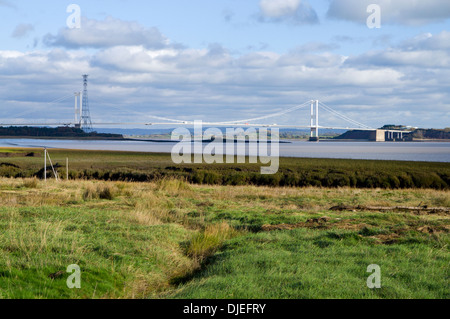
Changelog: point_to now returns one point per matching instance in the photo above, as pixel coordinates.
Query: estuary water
(400, 151)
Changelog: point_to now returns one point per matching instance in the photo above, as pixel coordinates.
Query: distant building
(376, 135)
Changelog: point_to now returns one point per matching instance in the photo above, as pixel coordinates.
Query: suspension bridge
(82, 119)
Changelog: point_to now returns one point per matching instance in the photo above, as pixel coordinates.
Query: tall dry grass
(30, 182)
(99, 191)
(173, 186)
(205, 243)
(169, 197)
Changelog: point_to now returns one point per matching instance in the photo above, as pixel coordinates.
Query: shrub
(235, 179)
(212, 178)
(428, 180)
(198, 177)
(336, 180)
(394, 182)
(406, 181)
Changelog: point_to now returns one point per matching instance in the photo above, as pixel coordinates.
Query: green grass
(121, 255)
(305, 263)
(172, 239)
(115, 257)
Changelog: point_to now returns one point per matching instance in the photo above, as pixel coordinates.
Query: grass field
(172, 239)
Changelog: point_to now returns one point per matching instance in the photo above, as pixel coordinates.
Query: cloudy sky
(227, 60)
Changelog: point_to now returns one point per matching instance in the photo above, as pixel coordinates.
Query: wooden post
(45, 164)
(67, 168)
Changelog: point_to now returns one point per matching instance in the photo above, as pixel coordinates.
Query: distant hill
(354, 135)
(49, 132)
(134, 131)
(432, 134)
(285, 133)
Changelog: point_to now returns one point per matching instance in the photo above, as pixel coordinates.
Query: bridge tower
(314, 121)
(78, 109)
(85, 121)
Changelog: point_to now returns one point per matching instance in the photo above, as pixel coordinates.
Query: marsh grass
(293, 172)
(173, 185)
(205, 243)
(142, 240)
(99, 191)
(30, 182)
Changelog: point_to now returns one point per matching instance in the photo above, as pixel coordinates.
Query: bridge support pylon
(78, 110)
(314, 121)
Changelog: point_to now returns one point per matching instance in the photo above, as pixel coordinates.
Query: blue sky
(227, 60)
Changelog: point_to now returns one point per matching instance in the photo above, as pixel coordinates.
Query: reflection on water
(406, 151)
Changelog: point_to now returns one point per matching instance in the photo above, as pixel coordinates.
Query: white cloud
(423, 51)
(428, 41)
(398, 58)
(22, 30)
(407, 12)
(279, 8)
(213, 84)
(290, 11)
(108, 33)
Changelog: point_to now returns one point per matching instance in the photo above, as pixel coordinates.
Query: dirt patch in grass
(385, 236)
(388, 239)
(322, 222)
(419, 210)
(434, 230)
(319, 223)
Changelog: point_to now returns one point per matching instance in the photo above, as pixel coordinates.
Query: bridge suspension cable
(236, 122)
(60, 99)
(342, 116)
(294, 108)
(142, 113)
(63, 98)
